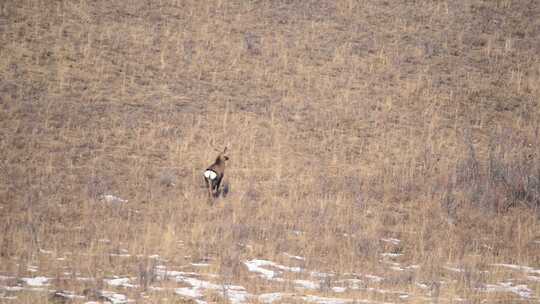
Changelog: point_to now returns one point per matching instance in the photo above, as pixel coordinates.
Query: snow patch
(12, 288)
(324, 300)
(374, 278)
(391, 241)
(521, 290)
(120, 255)
(67, 295)
(234, 293)
(256, 266)
(188, 292)
(339, 289)
(120, 282)
(307, 284)
(114, 298)
(84, 279)
(295, 257)
(111, 199)
(272, 297)
(45, 251)
(36, 281)
(453, 269)
(526, 269)
(200, 264)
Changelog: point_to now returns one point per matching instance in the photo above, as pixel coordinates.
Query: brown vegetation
(351, 122)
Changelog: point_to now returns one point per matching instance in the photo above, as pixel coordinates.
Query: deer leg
(208, 186)
(218, 184)
(213, 188)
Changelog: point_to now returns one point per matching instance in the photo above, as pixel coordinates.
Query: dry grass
(347, 121)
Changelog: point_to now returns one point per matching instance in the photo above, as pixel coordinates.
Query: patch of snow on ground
(295, 257)
(189, 292)
(272, 297)
(238, 296)
(120, 282)
(114, 298)
(36, 281)
(109, 198)
(318, 274)
(163, 273)
(123, 255)
(307, 284)
(394, 266)
(256, 266)
(391, 240)
(338, 289)
(285, 268)
(521, 290)
(84, 279)
(234, 293)
(374, 278)
(323, 300)
(453, 269)
(385, 291)
(397, 266)
(200, 264)
(67, 295)
(12, 288)
(404, 296)
(526, 269)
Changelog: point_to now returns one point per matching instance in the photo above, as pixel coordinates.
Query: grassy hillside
(397, 139)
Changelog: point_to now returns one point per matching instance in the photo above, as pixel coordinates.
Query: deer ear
(225, 150)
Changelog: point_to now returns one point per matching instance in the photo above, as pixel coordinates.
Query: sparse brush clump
(509, 176)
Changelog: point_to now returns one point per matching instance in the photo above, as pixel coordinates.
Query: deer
(213, 175)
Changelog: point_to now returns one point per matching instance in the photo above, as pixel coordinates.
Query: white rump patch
(210, 174)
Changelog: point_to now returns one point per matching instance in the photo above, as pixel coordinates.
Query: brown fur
(219, 168)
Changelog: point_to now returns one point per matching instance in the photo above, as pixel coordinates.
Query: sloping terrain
(390, 146)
